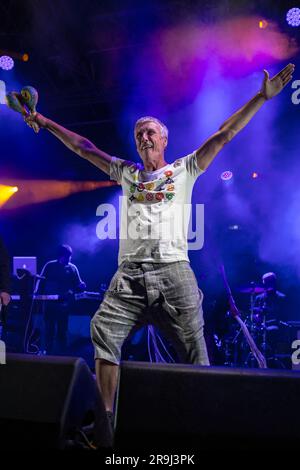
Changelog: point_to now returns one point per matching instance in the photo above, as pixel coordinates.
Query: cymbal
(251, 290)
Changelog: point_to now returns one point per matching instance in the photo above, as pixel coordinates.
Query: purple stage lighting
(293, 17)
(6, 62)
(226, 175)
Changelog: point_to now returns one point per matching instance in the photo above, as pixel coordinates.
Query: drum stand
(250, 360)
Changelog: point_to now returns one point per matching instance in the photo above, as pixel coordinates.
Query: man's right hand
(36, 121)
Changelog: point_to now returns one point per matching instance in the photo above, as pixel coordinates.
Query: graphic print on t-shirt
(153, 191)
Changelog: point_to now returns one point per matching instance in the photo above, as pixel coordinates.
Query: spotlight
(226, 175)
(25, 57)
(263, 24)
(293, 17)
(6, 62)
(6, 192)
(254, 175)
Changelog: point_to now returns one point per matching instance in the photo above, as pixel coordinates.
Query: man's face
(149, 141)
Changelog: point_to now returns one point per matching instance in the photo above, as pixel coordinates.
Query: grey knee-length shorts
(165, 295)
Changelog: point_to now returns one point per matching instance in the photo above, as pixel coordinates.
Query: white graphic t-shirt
(155, 209)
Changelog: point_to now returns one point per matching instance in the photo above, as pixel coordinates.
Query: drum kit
(264, 330)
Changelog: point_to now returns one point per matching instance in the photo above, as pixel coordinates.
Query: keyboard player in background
(60, 277)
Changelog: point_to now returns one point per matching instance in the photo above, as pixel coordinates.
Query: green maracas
(30, 98)
(14, 101)
(24, 102)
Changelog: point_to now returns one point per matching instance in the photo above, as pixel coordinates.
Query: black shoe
(111, 420)
(100, 434)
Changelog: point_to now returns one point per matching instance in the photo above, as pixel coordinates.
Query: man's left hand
(271, 87)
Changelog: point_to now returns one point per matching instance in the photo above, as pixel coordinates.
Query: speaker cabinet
(45, 401)
(167, 406)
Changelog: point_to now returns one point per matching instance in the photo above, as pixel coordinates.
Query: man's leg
(107, 380)
(178, 311)
(120, 312)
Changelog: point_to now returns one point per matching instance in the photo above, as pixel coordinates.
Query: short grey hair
(163, 127)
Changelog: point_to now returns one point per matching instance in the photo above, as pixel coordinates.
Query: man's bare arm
(270, 88)
(75, 142)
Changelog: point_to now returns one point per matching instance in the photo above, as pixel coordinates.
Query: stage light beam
(38, 191)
